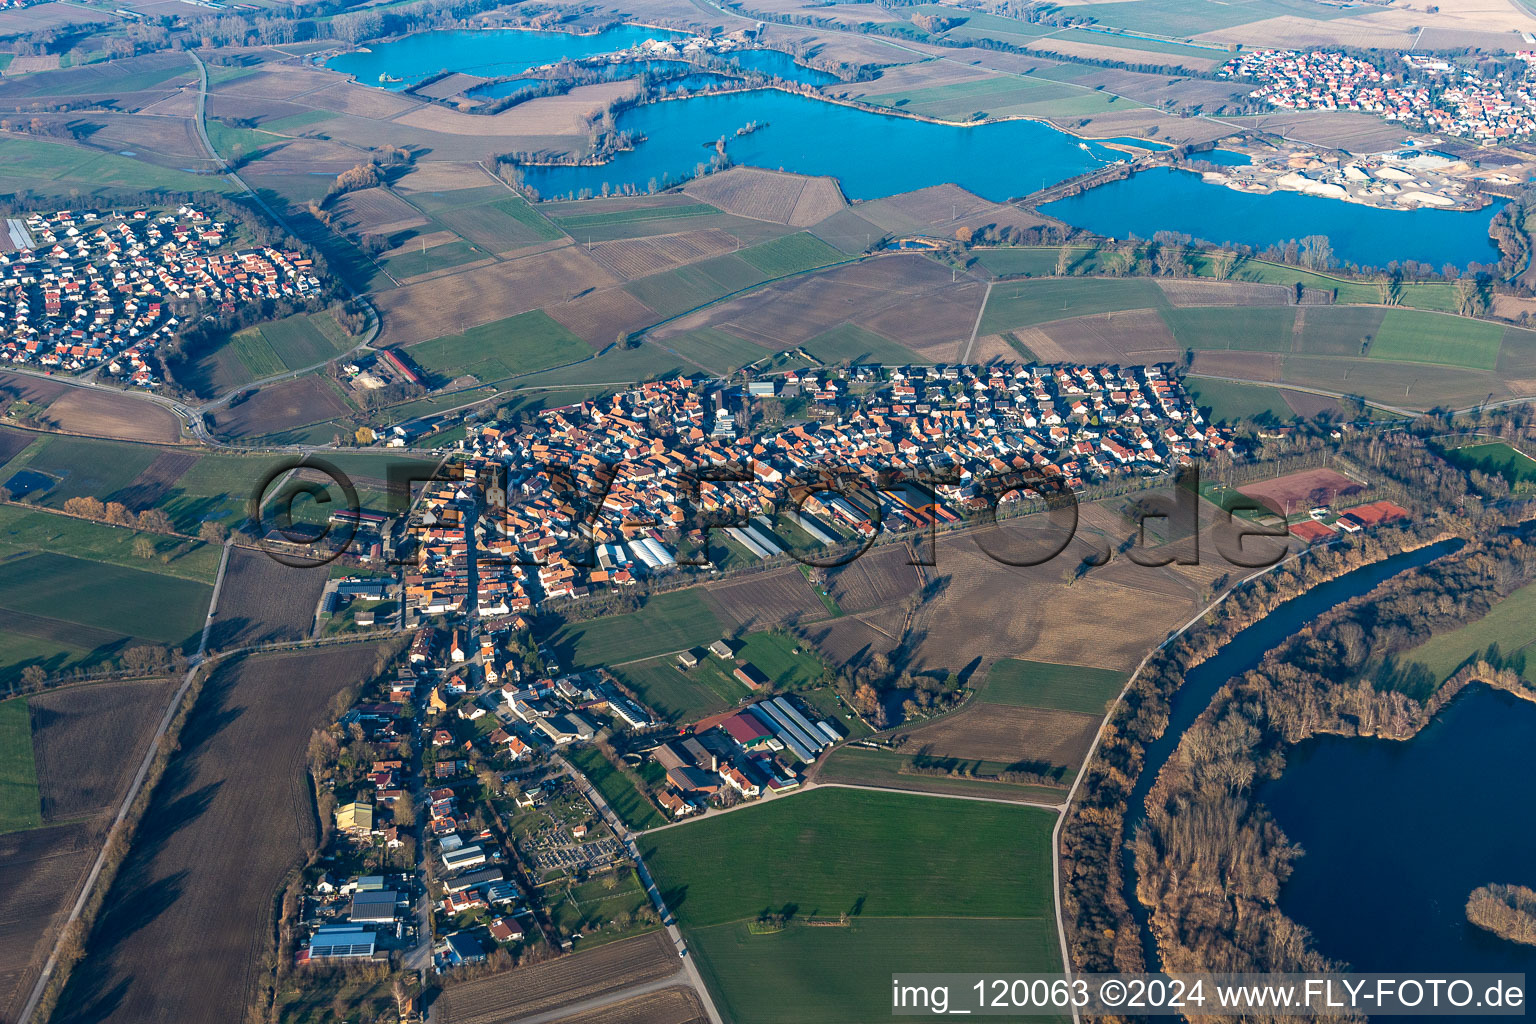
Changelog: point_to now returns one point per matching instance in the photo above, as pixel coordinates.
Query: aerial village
(643, 451)
(81, 289)
(1460, 102)
(460, 832)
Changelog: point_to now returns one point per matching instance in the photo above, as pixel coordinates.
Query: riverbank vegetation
(1210, 861)
(1509, 911)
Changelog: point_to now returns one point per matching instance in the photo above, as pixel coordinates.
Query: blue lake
(873, 155)
(669, 76)
(1173, 200)
(490, 54)
(1397, 835)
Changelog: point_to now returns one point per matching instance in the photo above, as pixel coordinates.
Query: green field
(824, 851)
(1185, 18)
(685, 288)
(601, 225)
(1023, 303)
(501, 349)
(1228, 402)
(775, 656)
(96, 595)
(24, 531)
(791, 255)
(20, 806)
(1496, 457)
(1511, 624)
(617, 788)
(855, 344)
(923, 881)
(605, 899)
(1339, 330)
(842, 975)
(1415, 337)
(252, 351)
(674, 621)
(891, 769)
(307, 339)
(715, 349)
(506, 222)
(411, 262)
(678, 695)
(289, 125)
(998, 96)
(84, 467)
(1040, 684)
(1245, 328)
(49, 167)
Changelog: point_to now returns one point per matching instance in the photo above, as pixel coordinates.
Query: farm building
(374, 907)
(721, 649)
(751, 677)
(747, 730)
(687, 659)
(339, 941)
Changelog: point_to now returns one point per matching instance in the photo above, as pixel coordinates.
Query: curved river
(1240, 654)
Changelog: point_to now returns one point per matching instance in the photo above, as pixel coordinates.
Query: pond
(491, 54)
(873, 155)
(1398, 834)
(1166, 199)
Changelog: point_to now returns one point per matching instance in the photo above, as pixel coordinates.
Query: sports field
(668, 622)
(501, 349)
(20, 806)
(1042, 685)
(1511, 624)
(902, 868)
(1495, 457)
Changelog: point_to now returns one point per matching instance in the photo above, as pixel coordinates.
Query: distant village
(641, 451)
(1461, 101)
(459, 827)
(81, 289)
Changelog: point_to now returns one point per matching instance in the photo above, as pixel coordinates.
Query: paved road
(128, 799)
(690, 971)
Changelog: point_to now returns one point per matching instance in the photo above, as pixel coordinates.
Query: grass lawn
(501, 349)
(680, 696)
(1247, 328)
(1039, 684)
(926, 883)
(1225, 401)
(871, 853)
(1495, 457)
(1415, 337)
(1023, 303)
(791, 255)
(774, 654)
(20, 806)
(859, 345)
(1511, 624)
(632, 806)
(146, 605)
(668, 622)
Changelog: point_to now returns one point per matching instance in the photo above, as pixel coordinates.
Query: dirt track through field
(187, 922)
